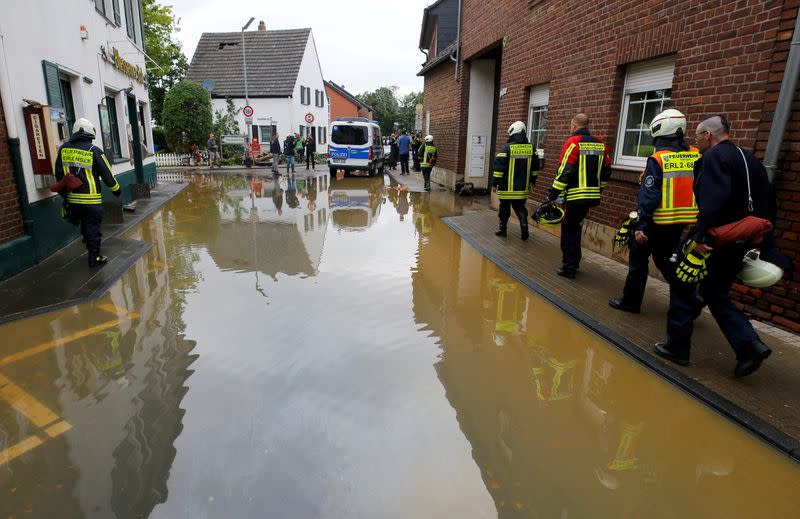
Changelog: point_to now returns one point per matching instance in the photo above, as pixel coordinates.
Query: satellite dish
(209, 84)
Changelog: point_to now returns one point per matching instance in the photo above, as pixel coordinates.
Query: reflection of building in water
(272, 225)
(121, 388)
(355, 202)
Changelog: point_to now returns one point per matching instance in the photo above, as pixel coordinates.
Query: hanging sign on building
(127, 68)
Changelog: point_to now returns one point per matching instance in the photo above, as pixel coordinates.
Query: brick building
(344, 104)
(532, 61)
(10, 211)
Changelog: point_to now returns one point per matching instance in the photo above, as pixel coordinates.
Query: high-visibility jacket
(516, 167)
(81, 158)
(666, 193)
(428, 156)
(584, 168)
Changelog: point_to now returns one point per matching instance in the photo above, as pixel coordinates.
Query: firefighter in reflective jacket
(516, 167)
(666, 206)
(84, 204)
(584, 169)
(427, 159)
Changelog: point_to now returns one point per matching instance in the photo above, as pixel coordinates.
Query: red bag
(69, 183)
(750, 229)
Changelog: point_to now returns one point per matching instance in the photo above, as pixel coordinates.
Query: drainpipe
(13, 140)
(783, 108)
(458, 42)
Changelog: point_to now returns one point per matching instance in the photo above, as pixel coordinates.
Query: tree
(187, 116)
(225, 123)
(408, 110)
(170, 66)
(385, 107)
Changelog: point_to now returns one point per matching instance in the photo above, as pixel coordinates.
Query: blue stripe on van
(349, 152)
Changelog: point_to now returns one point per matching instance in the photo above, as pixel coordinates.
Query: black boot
(751, 357)
(620, 304)
(96, 259)
(501, 231)
(523, 231)
(672, 353)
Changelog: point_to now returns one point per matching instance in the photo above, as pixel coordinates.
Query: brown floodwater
(323, 348)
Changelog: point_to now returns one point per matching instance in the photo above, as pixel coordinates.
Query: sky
(362, 44)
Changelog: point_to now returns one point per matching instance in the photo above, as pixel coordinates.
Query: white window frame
(644, 76)
(538, 102)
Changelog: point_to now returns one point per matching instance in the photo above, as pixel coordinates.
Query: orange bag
(750, 229)
(69, 183)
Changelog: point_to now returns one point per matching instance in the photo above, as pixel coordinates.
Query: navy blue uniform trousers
(723, 265)
(89, 217)
(571, 228)
(662, 242)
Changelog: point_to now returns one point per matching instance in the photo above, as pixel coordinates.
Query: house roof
(273, 62)
(350, 97)
(427, 29)
(438, 60)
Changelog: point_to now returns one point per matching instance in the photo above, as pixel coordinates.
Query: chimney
(262, 27)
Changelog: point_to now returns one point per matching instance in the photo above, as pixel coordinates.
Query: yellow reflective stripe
(74, 155)
(559, 185)
(519, 150)
(596, 146)
(511, 174)
(556, 183)
(91, 180)
(106, 161)
(86, 195)
(498, 174)
(502, 154)
(582, 180)
(115, 187)
(512, 195)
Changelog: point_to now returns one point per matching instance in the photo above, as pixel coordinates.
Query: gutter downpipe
(458, 42)
(783, 107)
(13, 142)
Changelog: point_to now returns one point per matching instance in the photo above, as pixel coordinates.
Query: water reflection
(355, 202)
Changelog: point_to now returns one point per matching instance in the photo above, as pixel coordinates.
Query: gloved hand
(692, 268)
(552, 194)
(623, 236)
(117, 193)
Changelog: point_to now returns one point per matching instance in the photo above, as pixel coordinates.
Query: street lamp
(244, 66)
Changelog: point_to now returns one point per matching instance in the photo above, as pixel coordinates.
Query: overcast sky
(362, 44)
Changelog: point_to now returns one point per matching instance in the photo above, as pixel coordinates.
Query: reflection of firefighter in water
(553, 379)
(422, 217)
(505, 309)
(109, 358)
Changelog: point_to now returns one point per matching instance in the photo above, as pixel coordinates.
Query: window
(111, 103)
(320, 98)
(69, 105)
(133, 20)
(142, 128)
(266, 133)
(305, 95)
(323, 135)
(537, 116)
(117, 18)
(100, 5)
(129, 22)
(352, 135)
(648, 91)
(302, 131)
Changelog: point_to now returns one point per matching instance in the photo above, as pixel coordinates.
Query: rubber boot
(523, 231)
(501, 231)
(96, 259)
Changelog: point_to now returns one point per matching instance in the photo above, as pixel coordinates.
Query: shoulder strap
(747, 172)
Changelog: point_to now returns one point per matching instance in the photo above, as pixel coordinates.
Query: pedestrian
(311, 149)
(427, 158)
(731, 184)
(415, 144)
(404, 148)
(213, 151)
(665, 207)
(79, 159)
(298, 147)
(516, 167)
(275, 149)
(585, 166)
(395, 152)
(289, 152)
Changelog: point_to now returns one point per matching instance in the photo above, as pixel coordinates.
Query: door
(137, 141)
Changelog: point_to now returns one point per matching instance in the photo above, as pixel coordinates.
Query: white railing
(172, 159)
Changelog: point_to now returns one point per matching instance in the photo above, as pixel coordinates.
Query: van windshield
(350, 135)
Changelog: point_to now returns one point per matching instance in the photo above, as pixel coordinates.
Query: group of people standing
(686, 192)
(403, 147)
(294, 148)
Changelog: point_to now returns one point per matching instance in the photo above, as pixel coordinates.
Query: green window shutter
(117, 19)
(129, 21)
(100, 6)
(52, 84)
(141, 23)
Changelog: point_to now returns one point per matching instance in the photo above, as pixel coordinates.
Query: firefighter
(427, 159)
(732, 184)
(584, 169)
(666, 206)
(84, 204)
(516, 167)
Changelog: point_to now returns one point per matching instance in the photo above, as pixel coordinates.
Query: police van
(355, 144)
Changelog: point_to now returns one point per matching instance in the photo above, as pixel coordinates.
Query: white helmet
(84, 125)
(668, 122)
(429, 138)
(758, 273)
(517, 127)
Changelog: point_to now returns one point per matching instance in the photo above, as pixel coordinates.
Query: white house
(78, 58)
(284, 80)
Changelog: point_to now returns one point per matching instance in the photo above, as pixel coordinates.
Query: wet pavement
(317, 347)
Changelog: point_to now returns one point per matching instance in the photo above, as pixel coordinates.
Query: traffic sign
(233, 139)
(248, 111)
(309, 118)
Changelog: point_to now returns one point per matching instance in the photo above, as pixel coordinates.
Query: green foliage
(388, 109)
(159, 138)
(225, 123)
(187, 116)
(160, 26)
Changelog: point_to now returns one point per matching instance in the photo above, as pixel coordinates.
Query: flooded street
(314, 347)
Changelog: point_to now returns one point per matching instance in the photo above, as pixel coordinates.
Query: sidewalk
(413, 181)
(766, 403)
(64, 279)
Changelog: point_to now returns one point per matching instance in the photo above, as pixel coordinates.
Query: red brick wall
(10, 214)
(340, 105)
(729, 58)
(448, 114)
